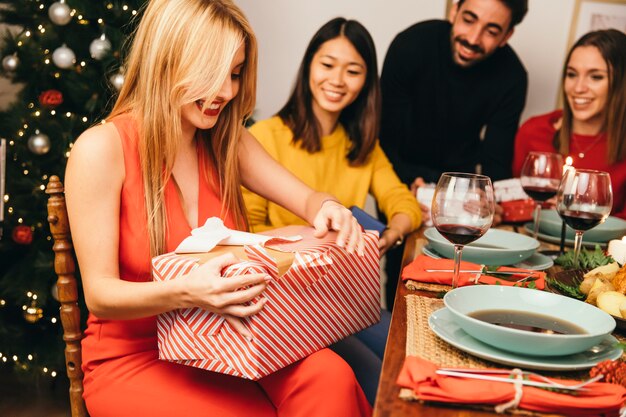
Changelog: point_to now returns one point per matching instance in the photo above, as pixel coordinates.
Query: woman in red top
(591, 128)
(173, 153)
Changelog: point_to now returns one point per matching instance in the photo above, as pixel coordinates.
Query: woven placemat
(423, 342)
(425, 286)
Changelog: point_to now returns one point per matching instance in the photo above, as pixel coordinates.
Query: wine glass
(540, 178)
(584, 200)
(462, 210)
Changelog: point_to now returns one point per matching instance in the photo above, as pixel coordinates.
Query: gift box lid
(283, 253)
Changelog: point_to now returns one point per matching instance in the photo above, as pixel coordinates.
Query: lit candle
(566, 167)
(617, 249)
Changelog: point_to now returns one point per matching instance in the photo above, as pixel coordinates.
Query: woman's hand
(388, 240)
(334, 216)
(497, 215)
(207, 289)
(417, 183)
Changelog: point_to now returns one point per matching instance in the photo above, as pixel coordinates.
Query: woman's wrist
(397, 234)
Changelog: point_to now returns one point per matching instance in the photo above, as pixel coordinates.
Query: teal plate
(550, 223)
(496, 247)
(528, 227)
(444, 326)
(536, 262)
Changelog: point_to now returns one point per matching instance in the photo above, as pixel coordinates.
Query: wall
(8, 91)
(284, 28)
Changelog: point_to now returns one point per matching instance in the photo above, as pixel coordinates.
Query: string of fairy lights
(63, 58)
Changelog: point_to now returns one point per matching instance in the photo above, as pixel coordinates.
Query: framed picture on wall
(449, 4)
(592, 15)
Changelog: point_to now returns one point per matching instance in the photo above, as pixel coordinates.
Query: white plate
(537, 262)
(528, 227)
(442, 323)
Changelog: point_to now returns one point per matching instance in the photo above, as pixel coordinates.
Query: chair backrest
(65, 267)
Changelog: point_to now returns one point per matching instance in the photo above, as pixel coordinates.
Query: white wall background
(284, 28)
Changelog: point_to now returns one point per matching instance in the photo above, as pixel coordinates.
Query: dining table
(388, 402)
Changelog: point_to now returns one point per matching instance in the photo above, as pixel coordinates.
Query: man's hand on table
(419, 182)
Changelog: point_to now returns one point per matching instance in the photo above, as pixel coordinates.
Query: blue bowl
(468, 300)
(550, 223)
(496, 247)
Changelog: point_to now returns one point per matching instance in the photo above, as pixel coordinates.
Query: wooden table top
(388, 404)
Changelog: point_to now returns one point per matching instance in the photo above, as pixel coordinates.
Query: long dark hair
(361, 119)
(611, 44)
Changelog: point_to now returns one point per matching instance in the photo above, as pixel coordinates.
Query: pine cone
(614, 371)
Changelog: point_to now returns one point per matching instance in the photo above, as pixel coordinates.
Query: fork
(549, 383)
(482, 271)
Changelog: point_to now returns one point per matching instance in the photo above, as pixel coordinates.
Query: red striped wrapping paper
(325, 296)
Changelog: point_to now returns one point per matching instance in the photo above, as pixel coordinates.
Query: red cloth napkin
(416, 271)
(419, 375)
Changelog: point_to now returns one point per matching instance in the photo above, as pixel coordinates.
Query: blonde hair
(181, 52)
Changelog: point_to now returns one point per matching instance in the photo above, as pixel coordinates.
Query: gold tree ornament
(33, 313)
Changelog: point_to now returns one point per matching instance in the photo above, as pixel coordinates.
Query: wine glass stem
(457, 265)
(536, 215)
(578, 243)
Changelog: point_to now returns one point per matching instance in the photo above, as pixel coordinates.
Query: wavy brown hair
(361, 118)
(611, 44)
(181, 52)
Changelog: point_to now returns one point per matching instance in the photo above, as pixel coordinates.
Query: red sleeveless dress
(123, 375)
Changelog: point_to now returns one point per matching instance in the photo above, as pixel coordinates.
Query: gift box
(517, 210)
(319, 294)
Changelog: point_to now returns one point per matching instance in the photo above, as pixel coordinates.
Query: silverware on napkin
(482, 271)
(509, 378)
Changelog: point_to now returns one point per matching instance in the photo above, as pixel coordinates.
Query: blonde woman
(172, 153)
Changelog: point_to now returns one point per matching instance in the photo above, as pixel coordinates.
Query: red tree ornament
(51, 98)
(22, 235)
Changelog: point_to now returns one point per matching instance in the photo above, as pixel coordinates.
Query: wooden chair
(65, 267)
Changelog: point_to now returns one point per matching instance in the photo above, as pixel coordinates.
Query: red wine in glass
(584, 200)
(460, 234)
(540, 178)
(581, 220)
(462, 211)
(540, 194)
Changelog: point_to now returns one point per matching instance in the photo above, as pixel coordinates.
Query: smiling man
(453, 92)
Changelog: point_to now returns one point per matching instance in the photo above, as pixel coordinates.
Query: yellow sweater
(328, 171)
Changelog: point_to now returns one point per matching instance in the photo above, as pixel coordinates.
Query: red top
(123, 374)
(537, 133)
(107, 339)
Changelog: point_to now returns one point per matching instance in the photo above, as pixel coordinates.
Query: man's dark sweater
(434, 110)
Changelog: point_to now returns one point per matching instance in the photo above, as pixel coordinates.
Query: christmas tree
(67, 56)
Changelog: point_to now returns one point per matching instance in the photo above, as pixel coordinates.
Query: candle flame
(569, 161)
(624, 239)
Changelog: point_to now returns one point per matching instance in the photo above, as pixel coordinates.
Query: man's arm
(497, 147)
(400, 70)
